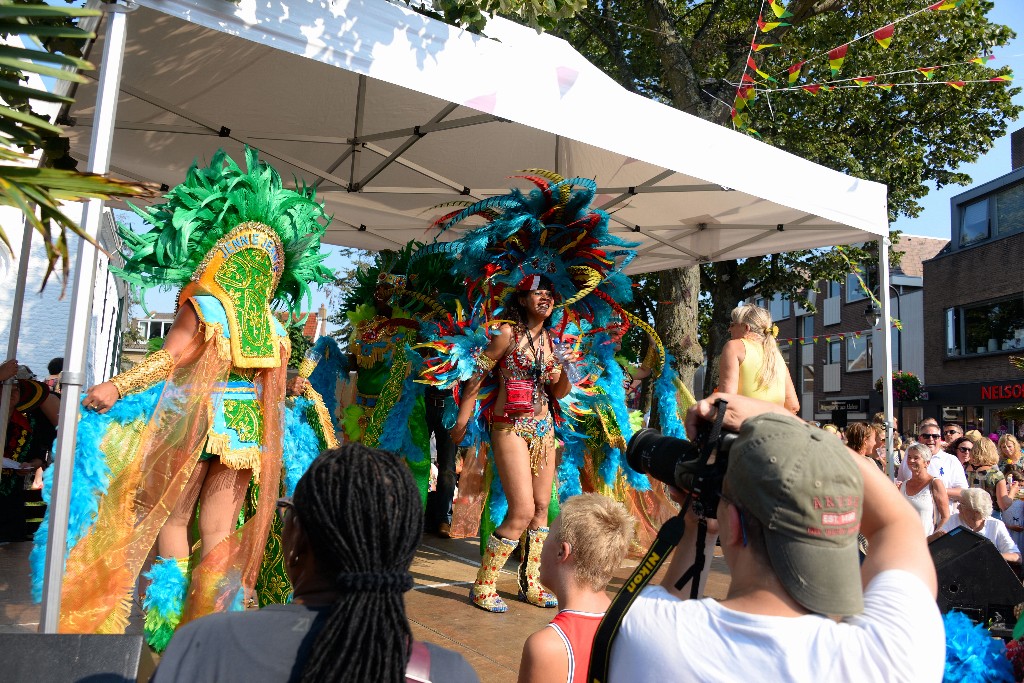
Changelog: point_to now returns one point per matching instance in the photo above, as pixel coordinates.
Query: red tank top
(577, 629)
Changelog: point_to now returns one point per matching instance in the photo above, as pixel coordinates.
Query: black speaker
(974, 578)
(75, 658)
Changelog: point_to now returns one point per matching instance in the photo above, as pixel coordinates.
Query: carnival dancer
(196, 421)
(389, 410)
(544, 280)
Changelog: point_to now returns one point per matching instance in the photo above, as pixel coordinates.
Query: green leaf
(33, 93)
(24, 65)
(28, 119)
(15, 29)
(19, 10)
(41, 56)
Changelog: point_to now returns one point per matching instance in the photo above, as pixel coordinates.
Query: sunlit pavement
(438, 606)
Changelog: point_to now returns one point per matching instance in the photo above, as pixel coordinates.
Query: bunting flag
(945, 4)
(747, 78)
(766, 26)
(982, 59)
(883, 36)
(1006, 78)
(835, 59)
(794, 72)
(753, 65)
(885, 86)
(927, 71)
(959, 85)
(813, 89)
(757, 47)
(863, 80)
(780, 11)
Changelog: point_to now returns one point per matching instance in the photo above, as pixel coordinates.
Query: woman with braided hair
(350, 534)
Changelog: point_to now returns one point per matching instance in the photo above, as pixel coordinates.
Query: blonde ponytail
(759, 323)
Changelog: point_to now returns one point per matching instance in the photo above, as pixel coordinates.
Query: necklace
(538, 360)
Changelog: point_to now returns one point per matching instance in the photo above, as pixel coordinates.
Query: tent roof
(391, 113)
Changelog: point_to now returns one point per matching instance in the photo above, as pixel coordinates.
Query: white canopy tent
(390, 113)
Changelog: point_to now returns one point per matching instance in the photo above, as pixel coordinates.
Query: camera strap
(668, 538)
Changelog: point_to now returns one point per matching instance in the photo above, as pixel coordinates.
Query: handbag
(519, 396)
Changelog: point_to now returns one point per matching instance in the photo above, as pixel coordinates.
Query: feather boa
(399, 435)
(972, 654)
(90, 476)
(332, 365)
(302, 445)
(668, 402)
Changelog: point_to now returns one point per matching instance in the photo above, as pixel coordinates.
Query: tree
(23, 131)
(690, 54)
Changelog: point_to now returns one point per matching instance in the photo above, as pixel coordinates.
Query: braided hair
(360, 509)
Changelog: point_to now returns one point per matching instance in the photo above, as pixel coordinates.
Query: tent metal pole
(884, 329)
(16, 310)
(80, 318)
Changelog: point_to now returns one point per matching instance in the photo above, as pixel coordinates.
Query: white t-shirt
(994, 530)
(898, 637)
(946, 467)
(1015, 515)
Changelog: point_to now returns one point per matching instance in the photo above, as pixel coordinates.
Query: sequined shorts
(539, 435)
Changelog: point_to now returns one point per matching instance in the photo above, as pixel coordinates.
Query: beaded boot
(484, 592)
(530, 588)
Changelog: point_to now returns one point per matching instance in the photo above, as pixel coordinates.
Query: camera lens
(651, 453)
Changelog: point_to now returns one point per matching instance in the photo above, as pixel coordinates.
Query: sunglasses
(962, 449)
(283, 505)
(929, 436)
(950, 432)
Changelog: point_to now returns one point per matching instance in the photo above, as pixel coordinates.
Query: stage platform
(438, 606)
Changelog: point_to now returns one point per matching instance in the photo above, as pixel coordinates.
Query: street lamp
(873, 316)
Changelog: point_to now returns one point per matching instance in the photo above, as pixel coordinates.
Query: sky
(934, 219)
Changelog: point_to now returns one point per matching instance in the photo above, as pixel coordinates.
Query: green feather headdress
(428, 282)
(207, 206)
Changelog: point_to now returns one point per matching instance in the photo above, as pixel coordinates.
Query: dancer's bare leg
(220, 501)
(542, 491)
(173, 538)
(513, 460)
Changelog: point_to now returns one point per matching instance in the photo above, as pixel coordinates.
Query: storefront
(978, 405)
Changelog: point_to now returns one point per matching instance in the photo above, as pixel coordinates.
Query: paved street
(438, 606)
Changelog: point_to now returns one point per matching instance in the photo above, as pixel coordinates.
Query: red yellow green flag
(753, 65)
(765, 26)
(794, 72)
(945, 4)
(958, 85)
(885, 86)
(982, 59)
(863, 80)
(764, 46)
(813, 89)
(835, 59)
(927, 71)
(1006, 78)
(883, 36)
(780, 11)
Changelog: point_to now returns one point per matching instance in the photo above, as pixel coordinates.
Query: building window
(808, 379)
(1010, 210)
(858, 353)
(974, 224)
(784, 350)
(854, 290)
(832, 353)
(985, 328)
(832, 288)
(779, 307)
(808, 329)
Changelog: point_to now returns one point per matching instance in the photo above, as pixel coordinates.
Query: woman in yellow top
(751, 364)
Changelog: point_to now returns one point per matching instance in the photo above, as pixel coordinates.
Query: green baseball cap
(802, 484)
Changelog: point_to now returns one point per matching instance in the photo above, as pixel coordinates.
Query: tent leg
(885, 329)
(16, 310)
(80, 318)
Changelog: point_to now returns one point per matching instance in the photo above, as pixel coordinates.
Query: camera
(695, 467)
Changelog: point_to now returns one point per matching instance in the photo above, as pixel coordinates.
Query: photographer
(793, 499)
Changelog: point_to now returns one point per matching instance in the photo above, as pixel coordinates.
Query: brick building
(831, 354)
(974, 316)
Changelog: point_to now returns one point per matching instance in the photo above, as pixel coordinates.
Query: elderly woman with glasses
(943, 465)
(962, 449)
(976, 514)
(987, 475)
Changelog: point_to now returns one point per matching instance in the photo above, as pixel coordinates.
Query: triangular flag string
(927, 71)
(739, 120)
(890, 27)
(814, 88)
(828, 338)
